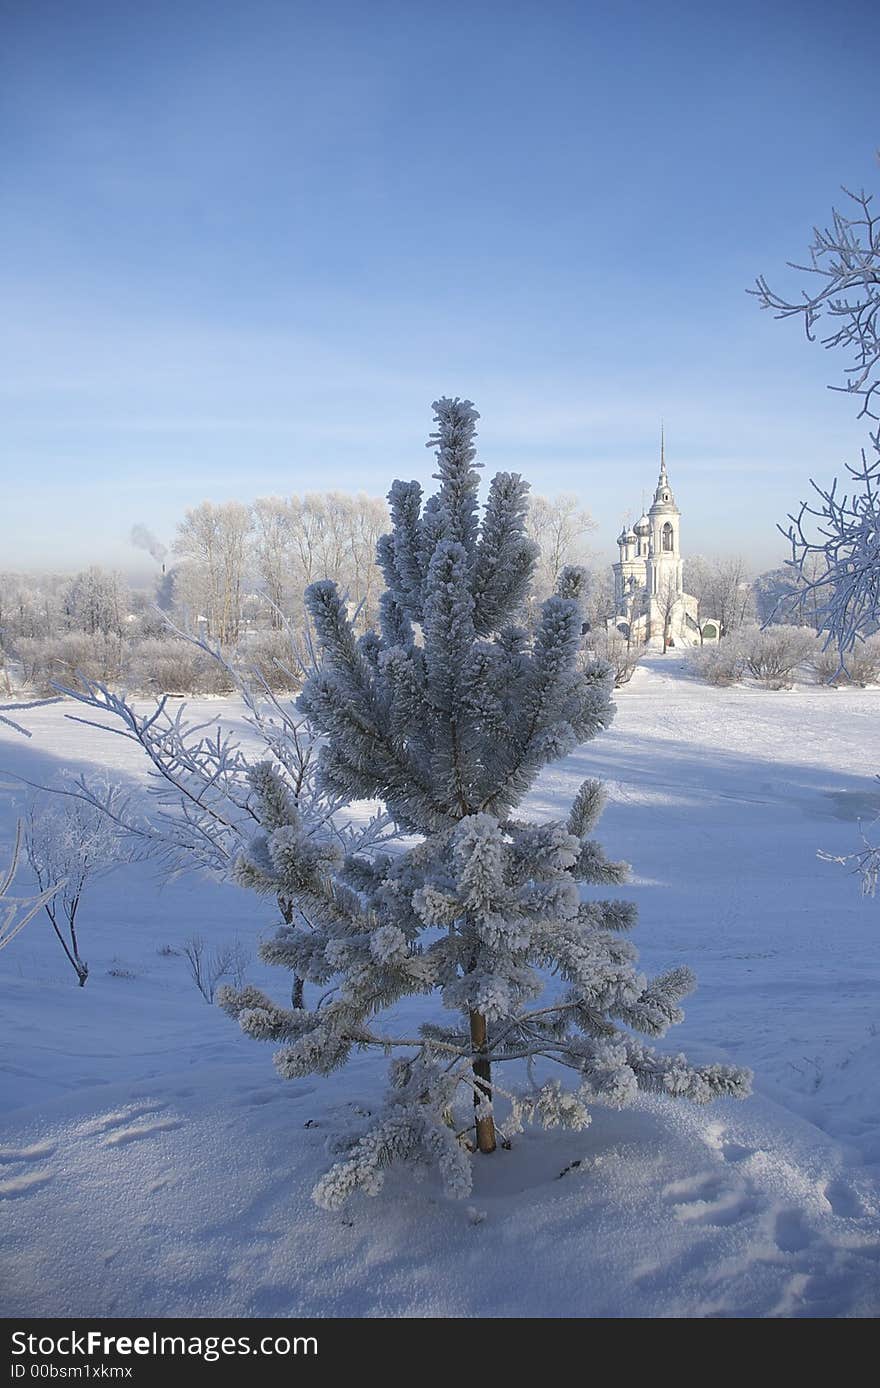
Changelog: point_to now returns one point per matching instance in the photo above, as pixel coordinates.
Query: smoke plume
(143, 538)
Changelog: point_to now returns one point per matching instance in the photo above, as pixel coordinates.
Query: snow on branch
(845, 259)
(835, 539)
(17, 912)
(841, 530)
(18, 708)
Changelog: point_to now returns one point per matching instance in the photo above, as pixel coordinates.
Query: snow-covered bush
(826, 667)
(5, 679)
(66, 659)
(166, 665)
(277, 657)
(29, 652)
(610, 646)
(68, 842)
(862, 664)
(721, 664)
(448, 714)
(774, 654)
(172, 665)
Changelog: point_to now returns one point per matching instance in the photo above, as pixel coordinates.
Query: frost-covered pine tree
(448, 714)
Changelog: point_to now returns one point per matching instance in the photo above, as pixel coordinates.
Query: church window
(667, 538)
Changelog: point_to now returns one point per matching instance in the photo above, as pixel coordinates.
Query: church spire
(663, 497)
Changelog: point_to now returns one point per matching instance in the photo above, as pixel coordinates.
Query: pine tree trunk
(483, 1075)
(297, 992)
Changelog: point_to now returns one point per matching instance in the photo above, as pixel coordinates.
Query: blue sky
(242, 248)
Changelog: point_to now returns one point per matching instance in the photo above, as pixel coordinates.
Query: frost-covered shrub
(862, 664)
(173, 665)
(63, 659)
(721, 664)
(166, 666)
(275, 657)
(826, 667)
(216, 679)
(30, 653)
(207, 966)
(5, 679)
(616, 651)
(68, 843)
(773, 654)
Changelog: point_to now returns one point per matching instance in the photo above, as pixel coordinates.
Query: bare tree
(68, 843)
(666, 600)
(697, 580)
(722, 589)
(32, 605)
(842, 529)
(835, 539)
(95, 602)
(732, 592)
(619, 652)
(321, 535)
(215, 540)
(558, 526)
(368, 520)
(788, 596)
(835, 545)
(599, 605)
(274, 554)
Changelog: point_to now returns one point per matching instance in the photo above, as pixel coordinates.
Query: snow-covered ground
(152, 1164)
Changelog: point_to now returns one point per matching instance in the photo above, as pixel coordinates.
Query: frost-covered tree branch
(845, 264)
(864, 863)
(20, 708)
(17, 911)
(835, 542)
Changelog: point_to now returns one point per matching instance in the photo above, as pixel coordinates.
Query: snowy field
(152, 1164)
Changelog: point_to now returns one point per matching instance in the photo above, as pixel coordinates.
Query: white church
(648, 593)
